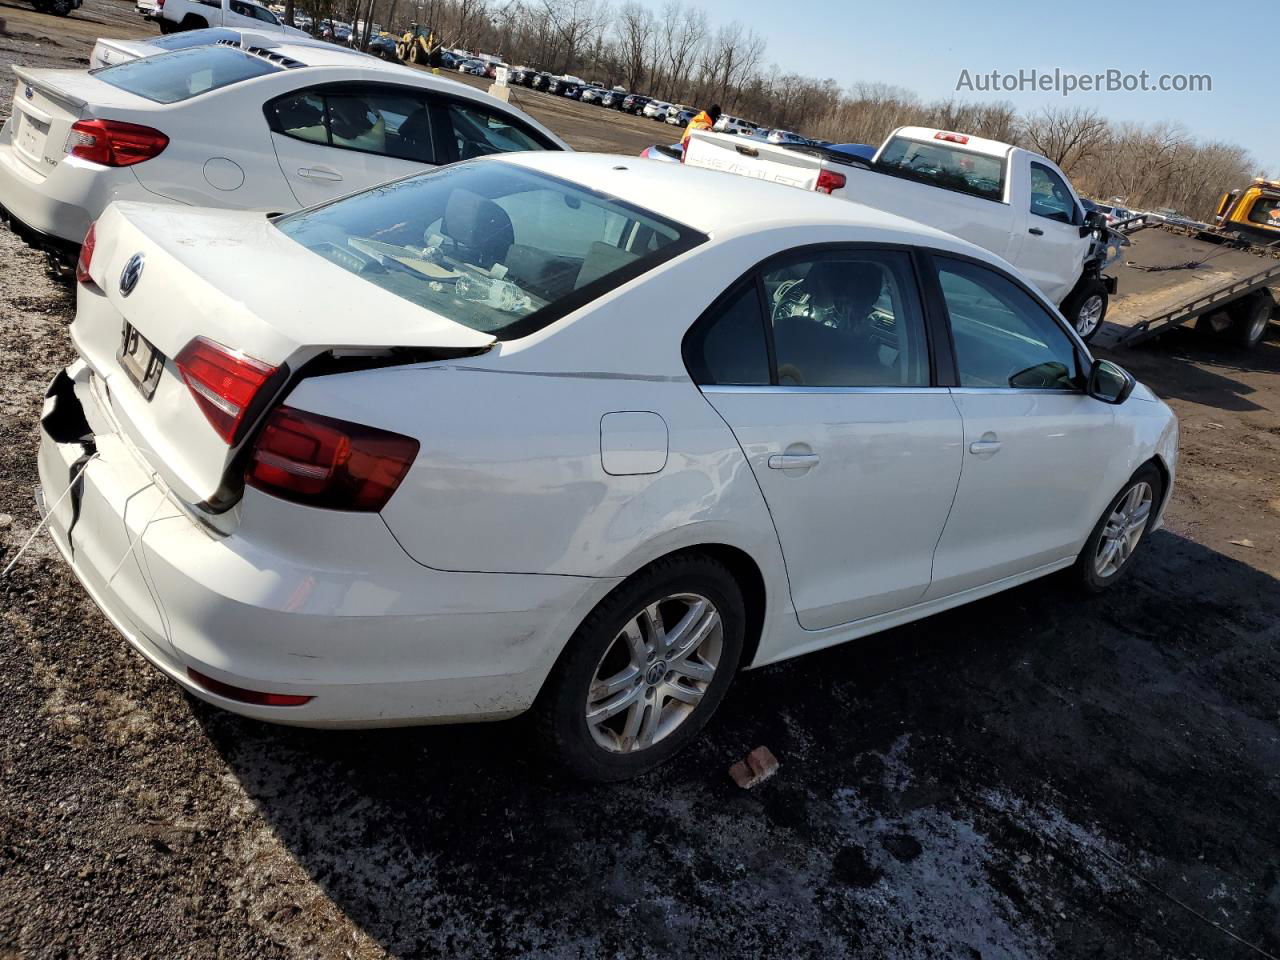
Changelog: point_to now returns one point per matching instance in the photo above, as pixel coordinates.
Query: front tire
(1108, 553)
(645, 671)
(1086, 307)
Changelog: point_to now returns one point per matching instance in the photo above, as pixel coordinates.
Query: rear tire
(1109, 551)
(192, 22)
(168, 26)
(60, 8)
(1249, 320)
(649, 686)
(1086, 307)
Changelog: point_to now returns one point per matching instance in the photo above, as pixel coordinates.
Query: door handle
(793, 461)
(1036, 232)
(984, 447)
(319, 173)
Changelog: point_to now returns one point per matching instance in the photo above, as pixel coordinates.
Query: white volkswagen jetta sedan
(567, 432)
(249, 125)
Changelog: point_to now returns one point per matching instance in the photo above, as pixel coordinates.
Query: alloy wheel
(1089, 315)
(655, 673)
(1123, 530)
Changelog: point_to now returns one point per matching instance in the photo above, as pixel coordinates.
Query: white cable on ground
(47, 514)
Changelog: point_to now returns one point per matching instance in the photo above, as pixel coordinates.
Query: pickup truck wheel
(1249, 320)
(1086, 308)
(192, 22)
(167, 26)
(61, 8)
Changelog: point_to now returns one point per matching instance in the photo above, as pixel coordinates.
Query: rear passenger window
(729, 347)
(1003, 337)
(385, 121)
(847, 319)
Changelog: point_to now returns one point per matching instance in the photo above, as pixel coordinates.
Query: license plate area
(30, 134)
(140, 360)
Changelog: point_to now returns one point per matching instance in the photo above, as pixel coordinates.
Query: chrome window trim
(1020, 391)
(923, 390)
(780, 388)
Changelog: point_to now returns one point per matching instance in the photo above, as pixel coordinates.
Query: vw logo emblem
(28, 93)
(130, 274)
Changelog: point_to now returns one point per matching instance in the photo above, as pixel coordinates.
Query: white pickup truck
(175, 15)
(1013, 202)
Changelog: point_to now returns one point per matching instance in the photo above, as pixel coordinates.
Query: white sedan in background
(108, 51)
(568, 432)
(250, 125)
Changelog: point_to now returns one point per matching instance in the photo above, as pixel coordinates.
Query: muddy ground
(1035, 775)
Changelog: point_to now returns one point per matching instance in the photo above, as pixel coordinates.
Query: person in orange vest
(705, 120)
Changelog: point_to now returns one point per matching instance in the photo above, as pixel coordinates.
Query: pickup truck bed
(1152, 301)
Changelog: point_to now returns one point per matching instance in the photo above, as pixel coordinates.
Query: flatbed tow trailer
(1172, 275)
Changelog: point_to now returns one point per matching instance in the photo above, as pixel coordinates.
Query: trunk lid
(42, 117)
(752, 158)
(232, 278)
(46, 102)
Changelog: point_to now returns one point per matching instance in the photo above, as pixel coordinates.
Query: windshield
(489, 245)
(944, 166)
(182, 74)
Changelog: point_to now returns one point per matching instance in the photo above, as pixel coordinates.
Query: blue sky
(922, 45)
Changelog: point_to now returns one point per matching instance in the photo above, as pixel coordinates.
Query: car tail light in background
(256, 697)
(951, 137)
(323, 462)
(223, 381)
(828, 181)
(86, 256)
(114, 143)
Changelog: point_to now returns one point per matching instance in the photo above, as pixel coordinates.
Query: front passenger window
(1003, 337)
(479, 132)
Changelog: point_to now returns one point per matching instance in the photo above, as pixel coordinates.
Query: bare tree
(1067, 136)
(635, 29)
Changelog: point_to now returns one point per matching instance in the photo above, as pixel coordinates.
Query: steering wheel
(791, 300)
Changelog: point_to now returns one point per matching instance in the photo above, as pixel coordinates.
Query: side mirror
(1110, 382)
(1093, 220)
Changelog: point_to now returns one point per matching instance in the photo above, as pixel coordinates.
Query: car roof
(711, 200)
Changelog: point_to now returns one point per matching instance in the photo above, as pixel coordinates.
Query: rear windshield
(182, 74)
(946, 166)
(490, 245)
(194, 38)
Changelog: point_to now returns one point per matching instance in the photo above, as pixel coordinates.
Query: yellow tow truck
(1251, 213)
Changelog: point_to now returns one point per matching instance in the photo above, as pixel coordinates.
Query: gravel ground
(1030, 776)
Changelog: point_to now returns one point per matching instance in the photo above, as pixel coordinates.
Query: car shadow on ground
(1196, 367)
(1016, 777)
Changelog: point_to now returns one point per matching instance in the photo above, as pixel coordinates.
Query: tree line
(675, 53)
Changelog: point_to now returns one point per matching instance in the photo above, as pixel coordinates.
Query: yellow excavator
(415, 45)
(1251, 213)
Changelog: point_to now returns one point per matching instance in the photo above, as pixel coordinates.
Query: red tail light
(829, 181)
(86, 256)
(223, 381)
(951, 137)
(113, 143)
(323, 462)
